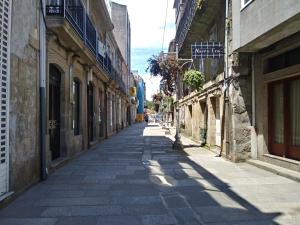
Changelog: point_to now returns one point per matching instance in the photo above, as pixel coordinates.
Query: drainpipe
(253, 91)
(226, 87)
(42, 71)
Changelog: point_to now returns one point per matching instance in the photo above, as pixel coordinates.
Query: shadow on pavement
(134, 178)
(196, 196)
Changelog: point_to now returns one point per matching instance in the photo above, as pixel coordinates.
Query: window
(244, 3)
(191, 110)
(287, 59)
(76, 107)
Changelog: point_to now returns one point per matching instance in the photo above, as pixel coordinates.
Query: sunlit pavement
(135, 178)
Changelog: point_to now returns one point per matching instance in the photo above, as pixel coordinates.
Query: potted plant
(194, 79)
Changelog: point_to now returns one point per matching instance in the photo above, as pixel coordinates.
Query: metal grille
(4, 92)
(91, 35)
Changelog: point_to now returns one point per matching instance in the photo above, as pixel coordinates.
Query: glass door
(284, 118)
(294, 117)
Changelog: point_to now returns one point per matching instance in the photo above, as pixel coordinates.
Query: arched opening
(54, 111)
(76, 107)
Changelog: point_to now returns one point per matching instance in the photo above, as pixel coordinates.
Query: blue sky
(140, 57)
(147, 18)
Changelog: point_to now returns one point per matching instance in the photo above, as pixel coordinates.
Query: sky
(147, 18)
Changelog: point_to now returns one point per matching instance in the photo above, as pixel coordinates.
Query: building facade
(249, 100)
(122, 33)
(201, 113)
(270, 55)
(133, 98)
(67, 83)
(140, 95)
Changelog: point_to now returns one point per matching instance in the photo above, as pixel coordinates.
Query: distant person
(146, 117)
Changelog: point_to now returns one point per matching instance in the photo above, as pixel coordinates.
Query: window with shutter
(4, 92)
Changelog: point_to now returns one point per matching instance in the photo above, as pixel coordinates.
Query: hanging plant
(194, 79)
(167, 69)
(157, 97)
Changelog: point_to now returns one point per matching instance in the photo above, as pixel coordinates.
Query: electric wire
(166, 16)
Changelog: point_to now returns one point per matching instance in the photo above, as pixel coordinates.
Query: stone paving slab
(118, 220)
(86, 220)
(73, 211)
(135, 178)
(29, 221)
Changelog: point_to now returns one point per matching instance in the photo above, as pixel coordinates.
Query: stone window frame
(281, 73)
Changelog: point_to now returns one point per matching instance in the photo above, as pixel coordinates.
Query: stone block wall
(240, 93)
(197, 118)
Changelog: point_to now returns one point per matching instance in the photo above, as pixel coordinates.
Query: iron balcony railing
(74, 12)
(100, 59)
(186, 21)
(91, 36)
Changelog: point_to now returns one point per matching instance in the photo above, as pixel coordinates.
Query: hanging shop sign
(205, 50)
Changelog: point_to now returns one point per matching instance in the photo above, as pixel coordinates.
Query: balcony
(67, 18)
(195, 22)
(186, 21)
(74, 13)
(71, 23)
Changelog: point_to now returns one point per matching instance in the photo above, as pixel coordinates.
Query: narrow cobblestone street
(135, 178)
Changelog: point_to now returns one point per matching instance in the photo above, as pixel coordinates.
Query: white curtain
(295, 112)
(278, 113)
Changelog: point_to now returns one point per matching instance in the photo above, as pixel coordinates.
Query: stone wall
(240, 97)
(193, 112)
(24, 149)
(24, 98)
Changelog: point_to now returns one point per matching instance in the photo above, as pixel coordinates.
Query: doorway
(90, 113)
(101, 114)
(284, 118)
(54, 111)
(218, 122)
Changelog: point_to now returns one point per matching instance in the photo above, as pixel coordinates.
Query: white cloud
(147, 18)
(147, 21)
(152, 85)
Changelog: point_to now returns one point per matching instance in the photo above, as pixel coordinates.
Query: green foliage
(149, 105)
(194, 79)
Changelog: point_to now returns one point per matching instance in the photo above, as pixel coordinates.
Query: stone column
(240, 102)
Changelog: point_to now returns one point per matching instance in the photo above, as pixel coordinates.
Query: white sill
(292, 161)
(245, 6)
